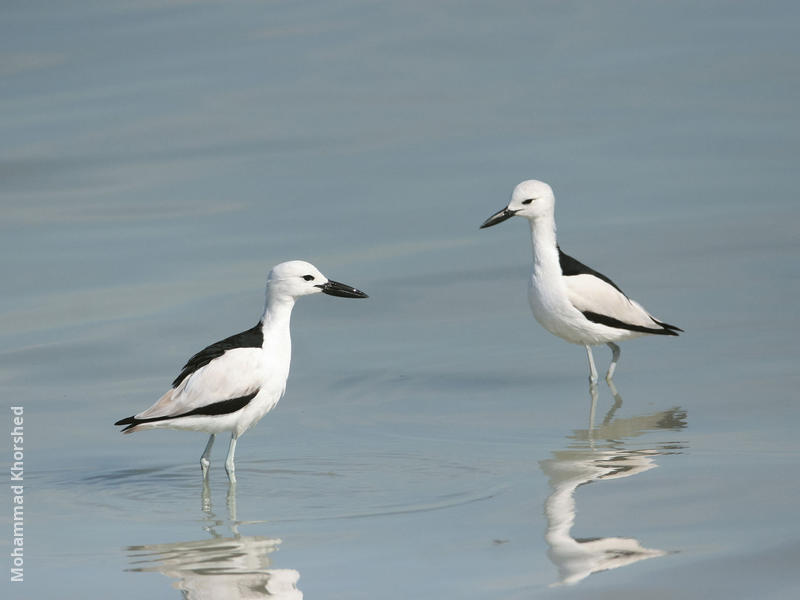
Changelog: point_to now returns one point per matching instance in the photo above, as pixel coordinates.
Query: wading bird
(567, 298)
(231, 384)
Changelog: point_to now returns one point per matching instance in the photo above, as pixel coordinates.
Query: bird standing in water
(567, 298)
(231, 384)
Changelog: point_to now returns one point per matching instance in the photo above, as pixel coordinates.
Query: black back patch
(571, 266)
(252, 338)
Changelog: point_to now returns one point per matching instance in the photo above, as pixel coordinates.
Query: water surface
(434, 442)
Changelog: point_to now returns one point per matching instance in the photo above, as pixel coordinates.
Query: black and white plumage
(567, 298)
(233, 383)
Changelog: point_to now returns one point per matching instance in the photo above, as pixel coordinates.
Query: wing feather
(251, 338)
(234, 374)
(608, 305)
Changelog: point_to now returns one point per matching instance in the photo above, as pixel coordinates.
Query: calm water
(157, 158)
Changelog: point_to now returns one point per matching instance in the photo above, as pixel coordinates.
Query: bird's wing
(604, 303)
(251, 338)
(234, 374)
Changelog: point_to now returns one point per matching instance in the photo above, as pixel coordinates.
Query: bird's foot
(204, 464)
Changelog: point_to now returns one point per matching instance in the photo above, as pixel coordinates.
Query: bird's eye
(308, 277)
(528, 201)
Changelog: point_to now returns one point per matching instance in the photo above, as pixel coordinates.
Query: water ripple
(303, 489)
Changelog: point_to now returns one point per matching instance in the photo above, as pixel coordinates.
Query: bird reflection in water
(596, 454)
(234, 568)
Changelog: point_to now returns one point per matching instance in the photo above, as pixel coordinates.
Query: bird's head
(297, 278)
(531, 199)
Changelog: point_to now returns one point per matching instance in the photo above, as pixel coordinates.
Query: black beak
(498, 217)
(334, 288)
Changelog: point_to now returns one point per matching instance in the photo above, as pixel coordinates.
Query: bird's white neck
(277, 318)
(545, 250)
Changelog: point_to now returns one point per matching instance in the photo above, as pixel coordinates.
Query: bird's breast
(551, 307)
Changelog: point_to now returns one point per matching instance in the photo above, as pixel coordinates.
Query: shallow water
(434, 442)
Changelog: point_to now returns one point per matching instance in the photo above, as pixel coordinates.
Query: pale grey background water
(158, 157)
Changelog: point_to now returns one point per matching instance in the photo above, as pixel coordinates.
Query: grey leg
(617, 403)
(204, 462)
(206, 499)
(615, 352)
(231, 498)
(592, 368)
(229, 466)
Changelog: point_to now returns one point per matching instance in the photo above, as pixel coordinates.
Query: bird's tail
(131, 423)
(668, 329)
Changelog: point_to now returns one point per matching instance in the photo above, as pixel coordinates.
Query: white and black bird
(567, 298)
(231, 384)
